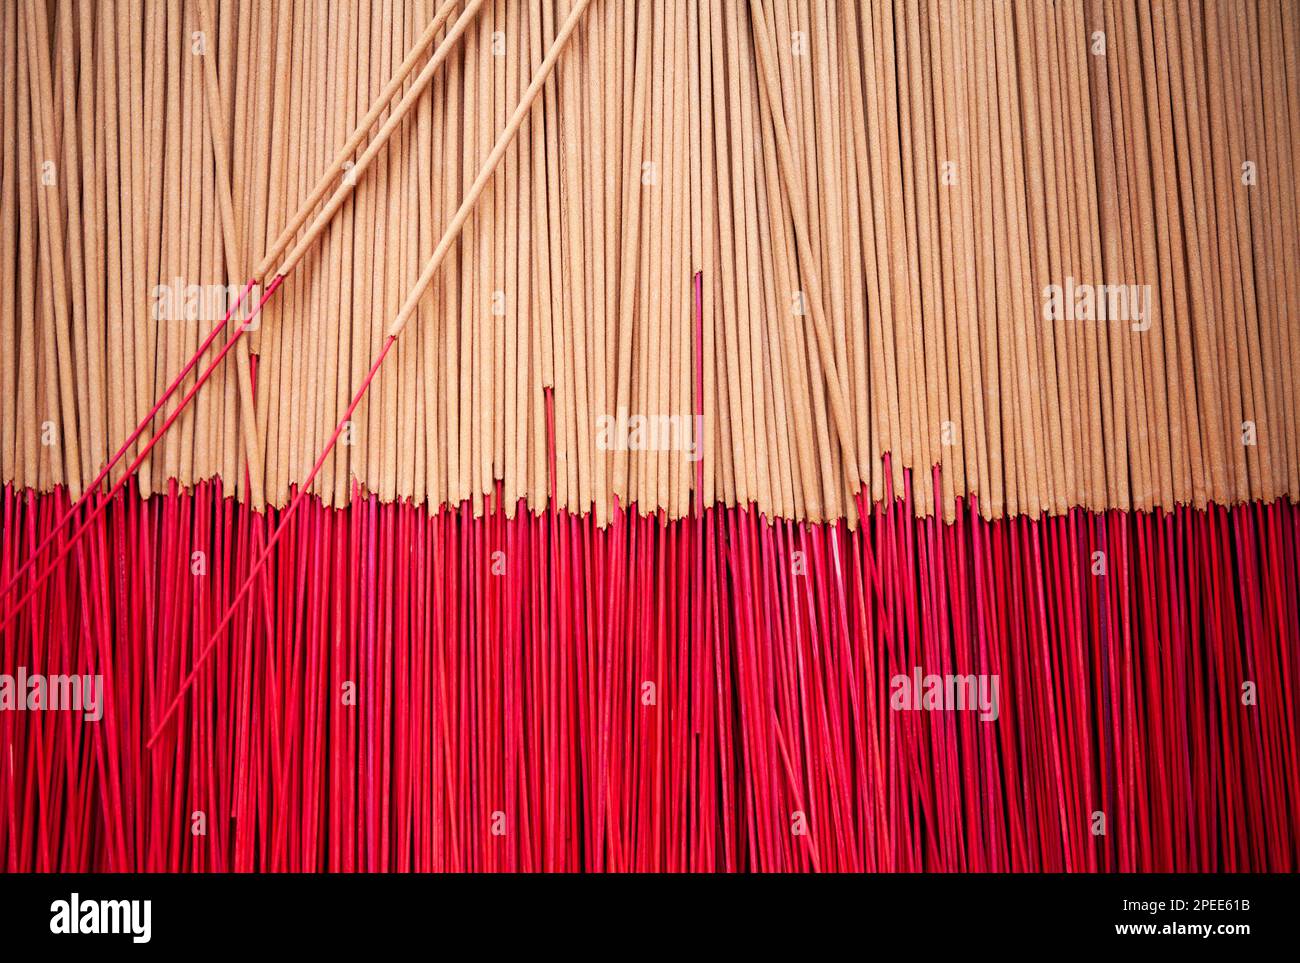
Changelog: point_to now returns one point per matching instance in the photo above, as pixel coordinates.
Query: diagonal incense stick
(379, 105)
(807, 265)
(215, 109)
(395, 329)
(126, 445)
(348, 184)
(139, 460)
(485, 174)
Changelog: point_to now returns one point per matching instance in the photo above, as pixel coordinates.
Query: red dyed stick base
(406, 692)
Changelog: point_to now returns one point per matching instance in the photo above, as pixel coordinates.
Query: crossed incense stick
(352, 173)
(394, 331)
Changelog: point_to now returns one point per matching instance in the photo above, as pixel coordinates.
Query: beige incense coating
(377, 106)
(214, 105)
(808, 268)
(467, 205)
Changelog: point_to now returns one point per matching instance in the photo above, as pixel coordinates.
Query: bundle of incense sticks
(770, 435)
(410, 692)
(1041, 245)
